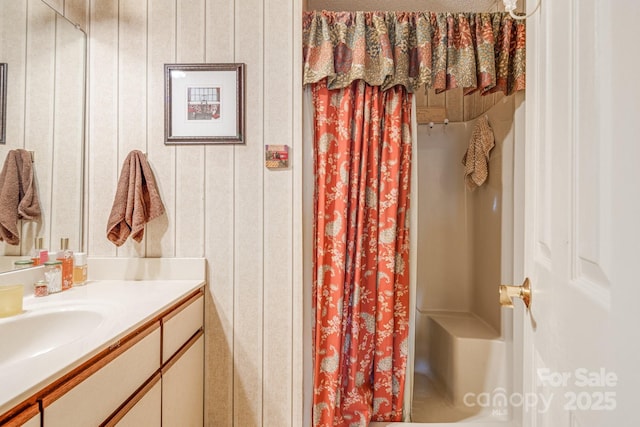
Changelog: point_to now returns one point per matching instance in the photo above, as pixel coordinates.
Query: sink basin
(38, 331)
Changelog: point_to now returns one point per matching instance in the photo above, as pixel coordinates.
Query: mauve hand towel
(18, 194)
(137, 200)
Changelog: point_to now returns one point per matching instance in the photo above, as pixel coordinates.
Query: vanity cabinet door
(143, 409)
(29, 417)
(33, 422)
(90, 397)
(183, 385)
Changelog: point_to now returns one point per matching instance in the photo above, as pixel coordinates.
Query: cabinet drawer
(180, 325)
(97, 396)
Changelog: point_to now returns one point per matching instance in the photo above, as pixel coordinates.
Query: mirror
(45, 98)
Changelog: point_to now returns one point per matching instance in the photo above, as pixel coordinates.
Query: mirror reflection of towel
(18, 194)
(137, 200)
(476, 159)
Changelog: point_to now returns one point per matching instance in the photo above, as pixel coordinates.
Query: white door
(581, 215)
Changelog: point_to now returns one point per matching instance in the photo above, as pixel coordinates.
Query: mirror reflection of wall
(45, 54)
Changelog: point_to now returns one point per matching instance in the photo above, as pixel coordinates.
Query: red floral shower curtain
(363, 67)
(361, 250)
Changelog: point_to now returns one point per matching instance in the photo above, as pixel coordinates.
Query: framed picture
(204, 104)
(3, 103)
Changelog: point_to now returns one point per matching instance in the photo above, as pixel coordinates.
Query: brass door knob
(508, 292)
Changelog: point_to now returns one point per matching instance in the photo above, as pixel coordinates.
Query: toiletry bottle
(53, 276)
(40, 255)
(79, 269)
(41, 288)
(65, 255)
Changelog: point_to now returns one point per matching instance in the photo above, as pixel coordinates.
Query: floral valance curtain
(476, 51)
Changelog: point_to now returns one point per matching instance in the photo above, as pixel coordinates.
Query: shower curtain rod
(437, 116)
(433, 116)
(511, 5)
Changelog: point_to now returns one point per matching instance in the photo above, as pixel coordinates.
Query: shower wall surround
(222, 203)
(462, 233)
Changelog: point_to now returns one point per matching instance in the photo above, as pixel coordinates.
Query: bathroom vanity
(113, 352)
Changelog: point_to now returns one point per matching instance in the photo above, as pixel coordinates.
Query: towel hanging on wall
(476, 159)
(18, 194)
(137, 200)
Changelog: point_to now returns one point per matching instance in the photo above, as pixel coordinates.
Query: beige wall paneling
(455, 105)
(297, 293)
(13, 20)
(249, 223)
(190, 172)
(429, 98)
(76, 12)
(488, 101)
(68, 132)
(57, 5)
(421, 97)
(161, 29)
(279, 69)
(436, 99)
(132, 92)
(472, 106)
(459, 108)
(39, 112)
(219, 237)
(103, 165)
(216, 196)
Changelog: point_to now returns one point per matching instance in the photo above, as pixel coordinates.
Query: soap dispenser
(65, 255)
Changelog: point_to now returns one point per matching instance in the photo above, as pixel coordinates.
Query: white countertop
(123, 305)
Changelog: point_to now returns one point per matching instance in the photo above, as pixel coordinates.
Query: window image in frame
(204, 103)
